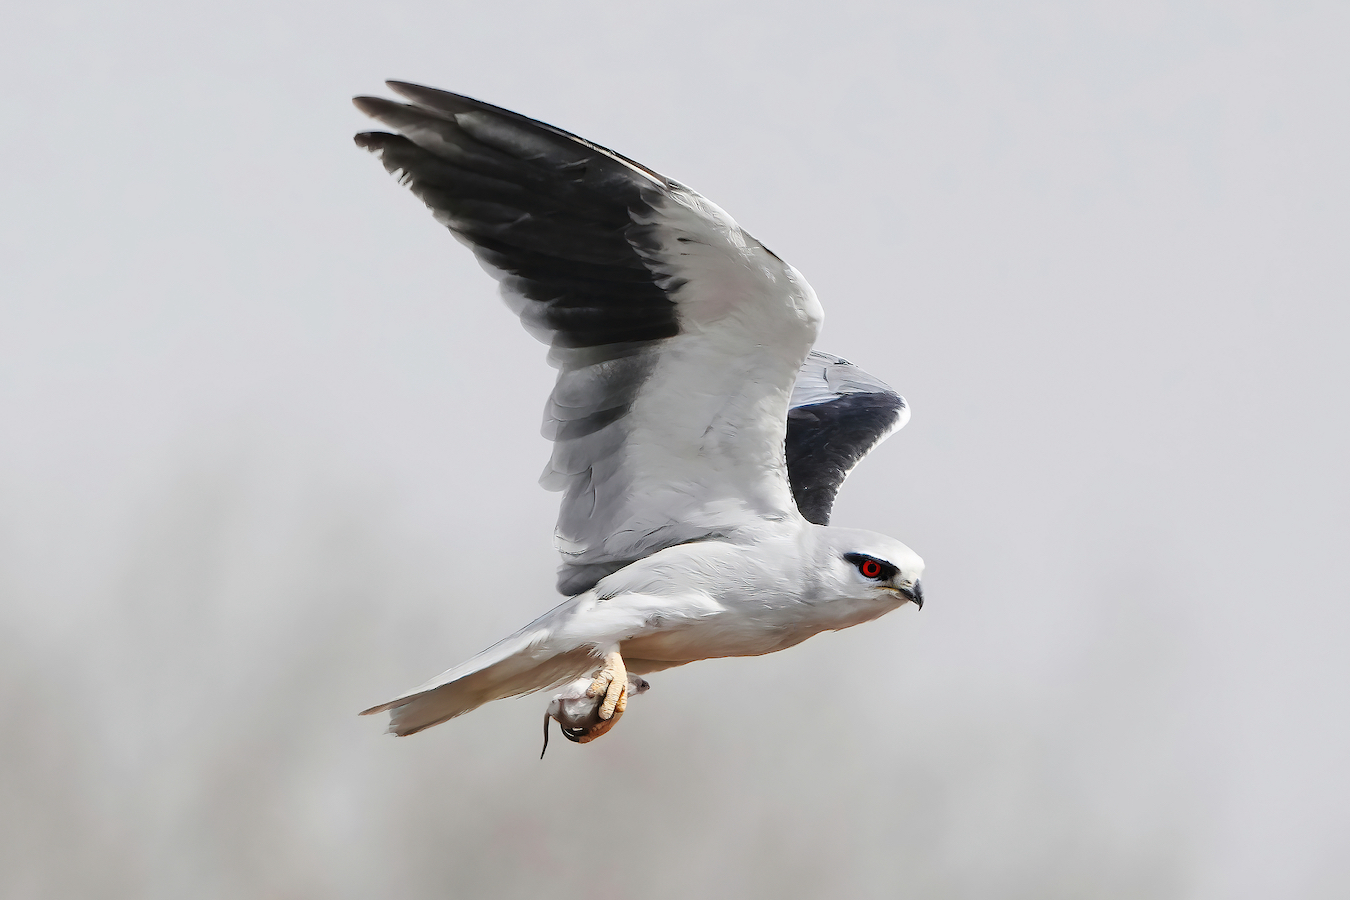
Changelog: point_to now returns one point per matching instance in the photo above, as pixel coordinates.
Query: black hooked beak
(914, 592)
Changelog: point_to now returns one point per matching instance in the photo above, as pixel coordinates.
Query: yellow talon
(612, 682)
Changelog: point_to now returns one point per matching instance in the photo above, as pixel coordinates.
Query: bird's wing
(676, 335)
(838, 414)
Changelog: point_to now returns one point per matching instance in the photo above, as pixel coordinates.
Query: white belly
(750, 630)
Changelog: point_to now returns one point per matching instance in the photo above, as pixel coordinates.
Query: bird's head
(865, 565)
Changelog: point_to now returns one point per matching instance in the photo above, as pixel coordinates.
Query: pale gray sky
(268, 445)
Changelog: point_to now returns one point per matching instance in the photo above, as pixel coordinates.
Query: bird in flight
(698, 440)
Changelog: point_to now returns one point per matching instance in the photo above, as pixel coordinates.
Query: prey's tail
(520, 664)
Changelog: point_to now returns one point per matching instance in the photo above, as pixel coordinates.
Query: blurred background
(269, 442)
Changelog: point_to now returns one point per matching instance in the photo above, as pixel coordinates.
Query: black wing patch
(550, 209)
(838, 414)
(552, 216)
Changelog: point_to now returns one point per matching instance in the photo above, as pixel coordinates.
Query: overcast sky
(269, 442)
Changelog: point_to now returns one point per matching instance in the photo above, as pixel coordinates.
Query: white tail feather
(520, 664)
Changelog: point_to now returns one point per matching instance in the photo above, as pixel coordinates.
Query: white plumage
(698, 446)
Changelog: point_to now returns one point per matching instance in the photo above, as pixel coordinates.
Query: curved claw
(584, 734)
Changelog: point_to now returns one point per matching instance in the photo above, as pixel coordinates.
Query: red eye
(871, 568)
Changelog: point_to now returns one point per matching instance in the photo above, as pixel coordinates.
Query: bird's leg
(611, 682)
